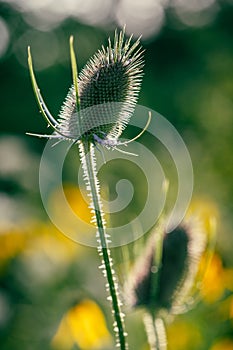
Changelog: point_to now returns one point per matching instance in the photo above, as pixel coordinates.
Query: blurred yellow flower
(41, 248)
(207, 212)
(228, 278)
(225, 344)
(71, 213)
(231, 309)
(84, 324)
(182, 335)
(75, 200)
(11, 243)
(212, 286)
(216, 280)
(54, 244)
(37, 237)
(210, 276)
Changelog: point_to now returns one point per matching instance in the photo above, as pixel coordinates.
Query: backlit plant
(104, 95)
(97, 109)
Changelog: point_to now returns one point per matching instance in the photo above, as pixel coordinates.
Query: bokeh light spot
(4, 37)
(141, 18)
(45, 48)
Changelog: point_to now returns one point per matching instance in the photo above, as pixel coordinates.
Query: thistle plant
(97, 109)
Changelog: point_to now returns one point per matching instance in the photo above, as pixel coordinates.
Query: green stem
(156, 333)
(88, 160)
(157, 263)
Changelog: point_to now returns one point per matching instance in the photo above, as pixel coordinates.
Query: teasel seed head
(108, 89)
(166, 287)
(103, 97)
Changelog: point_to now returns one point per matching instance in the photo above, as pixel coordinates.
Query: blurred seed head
(182, 249)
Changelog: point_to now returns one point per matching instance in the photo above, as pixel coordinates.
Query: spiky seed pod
(108, 90)
(181, 251)
(139, 286)
(175, 264)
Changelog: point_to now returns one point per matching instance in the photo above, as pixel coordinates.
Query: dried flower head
(168, 285)
(102, 99)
